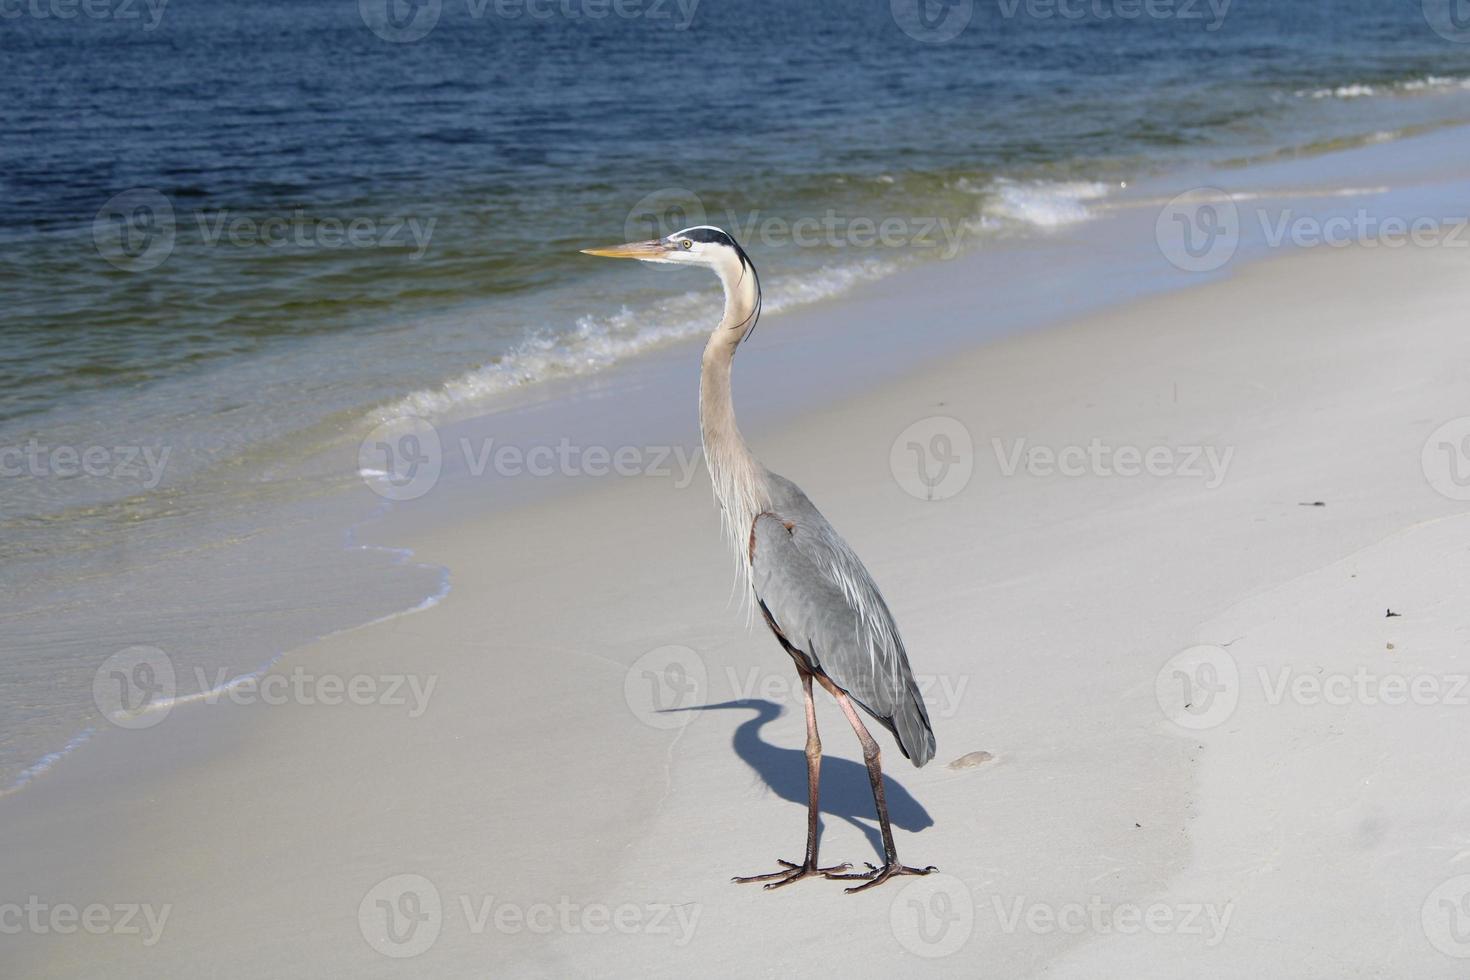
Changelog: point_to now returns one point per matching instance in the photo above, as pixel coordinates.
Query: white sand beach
(1199, 759)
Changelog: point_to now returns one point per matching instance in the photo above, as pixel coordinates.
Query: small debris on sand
(971, 760)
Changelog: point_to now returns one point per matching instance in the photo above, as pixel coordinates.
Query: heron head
(701, 245)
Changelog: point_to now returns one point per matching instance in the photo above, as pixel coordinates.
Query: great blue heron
(810, 587)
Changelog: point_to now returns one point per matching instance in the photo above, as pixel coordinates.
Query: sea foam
(1363, 90)
(599, 342)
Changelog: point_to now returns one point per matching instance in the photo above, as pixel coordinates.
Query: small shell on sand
(971, 760)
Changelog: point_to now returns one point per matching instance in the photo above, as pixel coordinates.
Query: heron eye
(687, 243)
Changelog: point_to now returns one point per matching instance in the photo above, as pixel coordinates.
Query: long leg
(808, 868)
(871, 754)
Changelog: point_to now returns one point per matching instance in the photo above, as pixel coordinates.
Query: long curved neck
(740, 481)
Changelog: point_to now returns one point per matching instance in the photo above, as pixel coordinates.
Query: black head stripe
(707, 235)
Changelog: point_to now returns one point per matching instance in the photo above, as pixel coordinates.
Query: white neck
(740, 481)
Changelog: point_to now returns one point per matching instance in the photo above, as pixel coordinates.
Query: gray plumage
(819, 598)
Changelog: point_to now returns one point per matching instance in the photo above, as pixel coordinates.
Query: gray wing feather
(826, 605)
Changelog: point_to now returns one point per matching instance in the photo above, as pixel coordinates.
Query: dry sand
(564, 828)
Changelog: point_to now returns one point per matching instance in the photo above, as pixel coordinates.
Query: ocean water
(240, 234)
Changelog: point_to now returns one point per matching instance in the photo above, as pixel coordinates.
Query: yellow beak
(632, 250)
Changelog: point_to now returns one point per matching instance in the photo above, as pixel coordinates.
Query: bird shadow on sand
(845, 793)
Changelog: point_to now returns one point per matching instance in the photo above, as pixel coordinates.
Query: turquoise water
(244, 233)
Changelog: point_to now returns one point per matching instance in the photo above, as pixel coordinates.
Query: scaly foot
(792, 872)
(876, 875)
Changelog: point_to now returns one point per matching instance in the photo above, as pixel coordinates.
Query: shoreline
(609, 809)
(819, 354)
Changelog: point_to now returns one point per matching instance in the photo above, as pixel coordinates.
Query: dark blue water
(524, 137)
